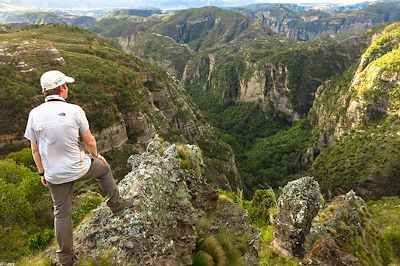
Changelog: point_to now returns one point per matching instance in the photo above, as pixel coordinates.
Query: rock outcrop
(335, 229)
(332, 235)
(160, 227)
(326, 252)
(297, 206)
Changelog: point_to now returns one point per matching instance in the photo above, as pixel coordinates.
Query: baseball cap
(54, 78)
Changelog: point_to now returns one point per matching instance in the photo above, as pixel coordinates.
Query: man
(53, 129)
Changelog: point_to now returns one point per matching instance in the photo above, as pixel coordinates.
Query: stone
(342, 218)
(326, 252)
(297, 206)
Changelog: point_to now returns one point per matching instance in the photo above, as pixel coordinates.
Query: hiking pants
(62, 202)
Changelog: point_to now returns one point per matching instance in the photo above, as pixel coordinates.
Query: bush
(217, 250)
(261, 203)
(41, 240)
(13, 243)
(14, 207)
(28, 182)
(23, 157)
(392, 237)
(385, 251)
(85, 207)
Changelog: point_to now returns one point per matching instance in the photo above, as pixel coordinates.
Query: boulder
(160, 227)
(326, 252)
(297, 207)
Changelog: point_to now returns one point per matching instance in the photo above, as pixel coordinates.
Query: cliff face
(159, 49)
(203, 28)
(135, 103)
(283, 81)
(367, 95)
(312, 24)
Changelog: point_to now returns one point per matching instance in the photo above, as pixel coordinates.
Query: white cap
(54, 78)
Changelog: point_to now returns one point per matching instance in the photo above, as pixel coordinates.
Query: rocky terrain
(325, 236)
(175, 209)
(162, 226)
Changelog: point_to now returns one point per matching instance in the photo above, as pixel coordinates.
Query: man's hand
(44, 182)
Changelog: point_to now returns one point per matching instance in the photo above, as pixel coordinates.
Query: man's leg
(62, 202)
(102, 173)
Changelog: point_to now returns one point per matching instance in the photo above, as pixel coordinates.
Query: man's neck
(54, 98)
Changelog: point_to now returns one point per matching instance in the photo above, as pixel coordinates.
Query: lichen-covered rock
(342, 230)
(342, 218)
(297, 207)
(159, 228)
(326, 252)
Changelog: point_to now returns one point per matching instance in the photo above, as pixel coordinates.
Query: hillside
(232, 79)
(126, 100)
(357, 115)
(235, 57)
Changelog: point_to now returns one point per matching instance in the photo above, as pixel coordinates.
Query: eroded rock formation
(159, 228)
(297, 206)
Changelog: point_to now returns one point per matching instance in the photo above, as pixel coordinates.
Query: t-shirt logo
(61, 114)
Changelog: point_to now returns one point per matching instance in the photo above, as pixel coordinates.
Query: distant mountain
(311, 22)
(44, 17)
(163, 4)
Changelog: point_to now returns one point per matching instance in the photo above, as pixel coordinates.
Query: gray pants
(62, 202)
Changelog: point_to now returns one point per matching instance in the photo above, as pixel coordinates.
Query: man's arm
(91, 146)
(38, 161)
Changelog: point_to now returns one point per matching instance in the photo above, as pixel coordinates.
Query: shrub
(14, 207)
(13, 243)
(41, 240)
(221, 249)
(85, 207)
(385, 251)
(261, 203)
(392, 237)
(23, 157)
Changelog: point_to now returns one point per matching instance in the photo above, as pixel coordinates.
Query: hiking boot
(120, 206)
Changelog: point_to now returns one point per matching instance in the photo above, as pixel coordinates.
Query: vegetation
(366, 161)
(87, 204)
(26, 219)
(273, 161)
(23, 211)
(386, 214)
(217, 250)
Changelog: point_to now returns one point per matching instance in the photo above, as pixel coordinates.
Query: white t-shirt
(55, 126)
